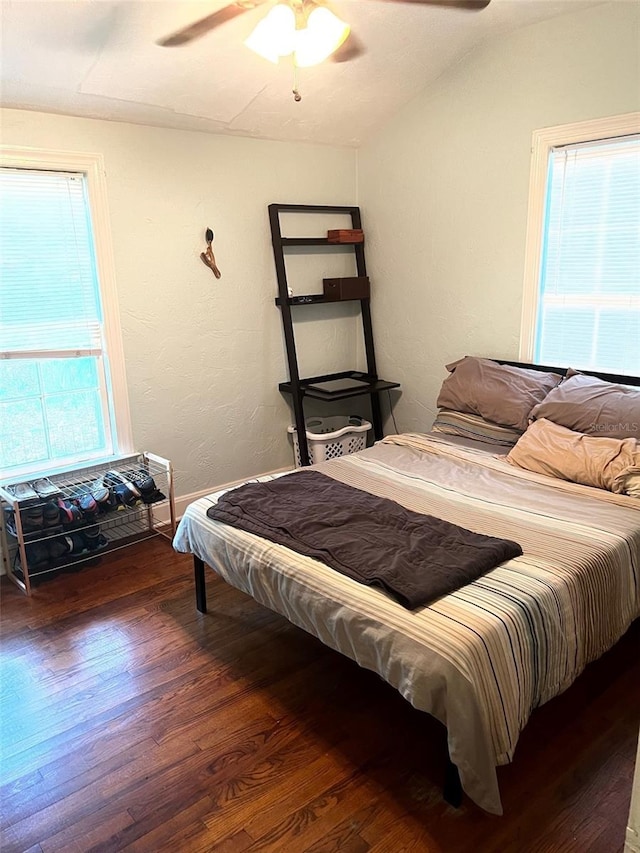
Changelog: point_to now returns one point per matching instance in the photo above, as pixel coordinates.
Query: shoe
(93, 539)
(58, 548)
(75, 543)
(69, 512)
(146, 485)
(44, 488)
(88, 507)
(51, 515)
(32, 519)
(100, 494)
(23, 492)
(115, 478)
(126, 496)
(81, 542)
(126, 493)
(37, 556)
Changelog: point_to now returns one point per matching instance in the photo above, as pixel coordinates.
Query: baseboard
(183, 501)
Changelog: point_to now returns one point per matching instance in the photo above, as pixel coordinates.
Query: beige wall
(444, 195)
(204, 357)
(444, 189)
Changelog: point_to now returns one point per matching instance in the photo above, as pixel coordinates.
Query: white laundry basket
(331, 437)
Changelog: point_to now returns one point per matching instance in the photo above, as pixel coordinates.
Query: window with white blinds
(56, 405)
(588, 304)
(49, 297)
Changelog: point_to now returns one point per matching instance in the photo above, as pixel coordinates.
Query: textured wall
(204, 357)
(444, 191)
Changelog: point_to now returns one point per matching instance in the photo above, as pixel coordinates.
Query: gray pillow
(592, 406)
(499, 393)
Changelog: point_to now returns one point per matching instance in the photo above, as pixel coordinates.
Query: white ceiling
(99, 58)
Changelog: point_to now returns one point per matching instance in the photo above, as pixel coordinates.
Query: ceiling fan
(307, 29)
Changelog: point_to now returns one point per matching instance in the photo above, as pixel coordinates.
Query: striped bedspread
(482, 658)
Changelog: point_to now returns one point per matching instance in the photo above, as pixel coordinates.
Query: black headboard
(608, 377)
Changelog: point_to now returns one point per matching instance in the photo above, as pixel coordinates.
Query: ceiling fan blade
(202, 27)
(472, 5)
(350, 49)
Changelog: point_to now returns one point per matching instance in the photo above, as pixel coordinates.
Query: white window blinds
(49, 296)
(55, 389)
(589, 305)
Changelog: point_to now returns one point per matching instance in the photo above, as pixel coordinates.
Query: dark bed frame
(452, 789)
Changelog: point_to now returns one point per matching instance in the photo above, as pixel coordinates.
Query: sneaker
(88, 507)
(44, 488)
(146, 485)
(51, 515)
(58, 548)
(115, 478)
(99, 492)
(32, 519)
(23, 492)
(75, 543)
(102, 495)
(93, 539)
(83, 542)
(70, 512)
(37, 556)
(126, 497)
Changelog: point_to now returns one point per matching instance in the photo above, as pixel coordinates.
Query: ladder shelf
(362, 382)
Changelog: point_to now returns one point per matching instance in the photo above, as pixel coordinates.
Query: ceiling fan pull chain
(296, 94)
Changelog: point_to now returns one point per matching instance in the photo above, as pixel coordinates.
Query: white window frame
(92, 167)
(541, 144)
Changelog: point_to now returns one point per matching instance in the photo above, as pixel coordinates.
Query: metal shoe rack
(120, 526)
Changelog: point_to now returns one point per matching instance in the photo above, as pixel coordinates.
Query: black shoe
(37, 556)
(58, 548)
(32, 519)
(86, 541)
(51, 516)
(93, 539)
(146, 485)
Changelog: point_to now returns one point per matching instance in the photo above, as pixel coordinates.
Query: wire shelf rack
(31, 549)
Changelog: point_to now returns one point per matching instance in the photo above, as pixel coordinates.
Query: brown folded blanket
(416, 558)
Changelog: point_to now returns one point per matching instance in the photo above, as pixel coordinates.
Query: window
(582, 285)
(62, 393)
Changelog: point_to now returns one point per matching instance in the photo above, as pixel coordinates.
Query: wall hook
(207, 257)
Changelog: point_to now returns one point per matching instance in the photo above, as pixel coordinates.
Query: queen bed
(482, 657)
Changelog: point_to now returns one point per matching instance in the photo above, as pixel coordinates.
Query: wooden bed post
(201, 592)
(452, 791)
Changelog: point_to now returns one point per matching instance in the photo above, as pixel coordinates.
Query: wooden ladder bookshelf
(368, 383)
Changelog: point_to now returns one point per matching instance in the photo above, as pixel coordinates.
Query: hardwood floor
(130, 722)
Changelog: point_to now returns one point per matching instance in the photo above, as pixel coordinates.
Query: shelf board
(373, 386)
(314, 208)
(317, 241)
(315, 299)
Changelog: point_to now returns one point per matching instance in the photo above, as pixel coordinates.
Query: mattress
(482, 658)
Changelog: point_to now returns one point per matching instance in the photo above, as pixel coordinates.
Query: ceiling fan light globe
(323, 35)
(274, 36)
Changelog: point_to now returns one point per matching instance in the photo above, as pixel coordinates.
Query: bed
(482, 658)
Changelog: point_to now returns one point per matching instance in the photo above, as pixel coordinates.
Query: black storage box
(336, 289)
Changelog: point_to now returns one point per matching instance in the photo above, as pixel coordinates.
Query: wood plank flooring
(130, 722)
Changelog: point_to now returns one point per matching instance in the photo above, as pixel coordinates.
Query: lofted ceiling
(99, 58)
